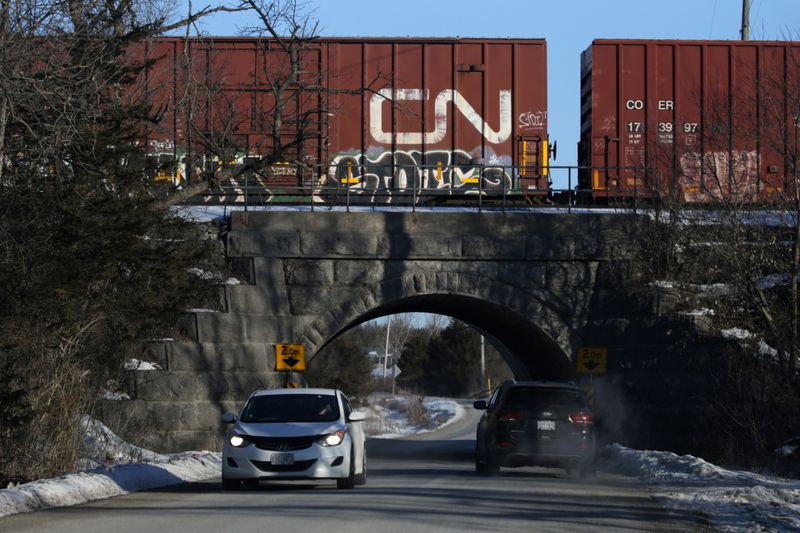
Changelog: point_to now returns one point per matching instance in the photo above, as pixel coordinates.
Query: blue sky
(568, 25)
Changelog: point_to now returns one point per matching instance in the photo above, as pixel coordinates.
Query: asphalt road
(425, 483)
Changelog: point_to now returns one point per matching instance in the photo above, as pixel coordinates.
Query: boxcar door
(605, 161)
(532, 158)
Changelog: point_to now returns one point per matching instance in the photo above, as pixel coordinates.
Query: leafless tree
(84, 246)
(729, 232)
(287, 32)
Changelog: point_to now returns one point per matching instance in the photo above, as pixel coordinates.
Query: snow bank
(732, 500)
(74, 489)
(106, 476)
(389, 418)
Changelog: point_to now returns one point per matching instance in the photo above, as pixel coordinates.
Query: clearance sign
(592, 360)
(290, 357)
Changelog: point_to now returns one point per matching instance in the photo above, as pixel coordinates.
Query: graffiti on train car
(708, 174)
(165, 167)
(403, 171)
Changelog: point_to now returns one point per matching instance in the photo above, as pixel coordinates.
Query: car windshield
(291, 408)
(529, 398)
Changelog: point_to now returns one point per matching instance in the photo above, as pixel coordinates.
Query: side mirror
(228, 418)
(356, 417)
(479, 404)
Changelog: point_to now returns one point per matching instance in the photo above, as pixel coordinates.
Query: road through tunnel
(527, 350)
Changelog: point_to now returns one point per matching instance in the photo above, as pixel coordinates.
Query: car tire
(492, 465)
(361, 479)
(231, 484)
(350, 481)
(480, 465)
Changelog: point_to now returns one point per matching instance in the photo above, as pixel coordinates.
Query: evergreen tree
(454, 361)
(344, 365)
(92, 263)
(414, 362)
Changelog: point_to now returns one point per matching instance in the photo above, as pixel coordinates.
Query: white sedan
(294, 434)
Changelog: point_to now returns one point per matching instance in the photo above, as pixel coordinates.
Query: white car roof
(271, 392)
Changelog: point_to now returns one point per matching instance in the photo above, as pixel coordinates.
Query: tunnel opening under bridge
(527, 350)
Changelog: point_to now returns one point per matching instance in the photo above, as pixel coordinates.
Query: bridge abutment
(539, 284)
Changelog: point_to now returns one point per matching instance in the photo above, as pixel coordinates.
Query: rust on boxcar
(687, 119)
(396, 114)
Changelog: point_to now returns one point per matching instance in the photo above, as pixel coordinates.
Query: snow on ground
(393, 417)
(212, 213)
(114, 467)
(114, 395)
(736, 333)
(135, 364)
(731, 500)
(107, 475)
(703, 311)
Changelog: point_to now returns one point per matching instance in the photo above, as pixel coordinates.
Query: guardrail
(493, 187)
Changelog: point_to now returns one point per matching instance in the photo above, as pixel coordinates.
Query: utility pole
(745, 20)
(394, 377)
(386, 349)
(483, 361)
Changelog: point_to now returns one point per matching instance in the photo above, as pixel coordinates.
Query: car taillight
(581, 418)
(508, 416)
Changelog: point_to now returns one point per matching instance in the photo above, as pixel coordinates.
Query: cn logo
(440, 116)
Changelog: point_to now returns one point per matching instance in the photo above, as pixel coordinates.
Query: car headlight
(237, 441)
(334, 439)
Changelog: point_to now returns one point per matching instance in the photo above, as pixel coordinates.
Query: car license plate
(547, 425)
(280, 459)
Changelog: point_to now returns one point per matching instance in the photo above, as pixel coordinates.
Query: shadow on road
(421, 450)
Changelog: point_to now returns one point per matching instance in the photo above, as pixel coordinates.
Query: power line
(713, 14)
(756, 18)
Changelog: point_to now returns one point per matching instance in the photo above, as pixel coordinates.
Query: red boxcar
(691, 120)
(369, 114)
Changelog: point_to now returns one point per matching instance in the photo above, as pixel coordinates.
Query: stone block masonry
(529, 281)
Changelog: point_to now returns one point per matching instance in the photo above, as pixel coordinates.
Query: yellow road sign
(592, 360)
(290, 357)
(292, 385)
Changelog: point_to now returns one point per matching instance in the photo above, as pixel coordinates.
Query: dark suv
(542, 423)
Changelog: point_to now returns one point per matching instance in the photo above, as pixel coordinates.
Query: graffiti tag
(532, 120)
(440, 116)
(414, 170)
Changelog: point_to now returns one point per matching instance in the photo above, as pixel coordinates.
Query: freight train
(418, 119)
(690, 120)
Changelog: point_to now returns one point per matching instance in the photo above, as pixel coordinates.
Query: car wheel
(231, 484)
(361, 479)
(349, 481)
(250, 484)
(492, 465)
(480, 466)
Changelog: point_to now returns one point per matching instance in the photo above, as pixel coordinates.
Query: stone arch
(528, 334)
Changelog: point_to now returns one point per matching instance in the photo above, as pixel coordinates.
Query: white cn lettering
(634, 104)
(440, 116)
(665, 105)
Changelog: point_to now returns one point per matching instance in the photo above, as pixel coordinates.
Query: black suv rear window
(530, 398)
(291, 408)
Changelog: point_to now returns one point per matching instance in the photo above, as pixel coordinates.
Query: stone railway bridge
(539, 285)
